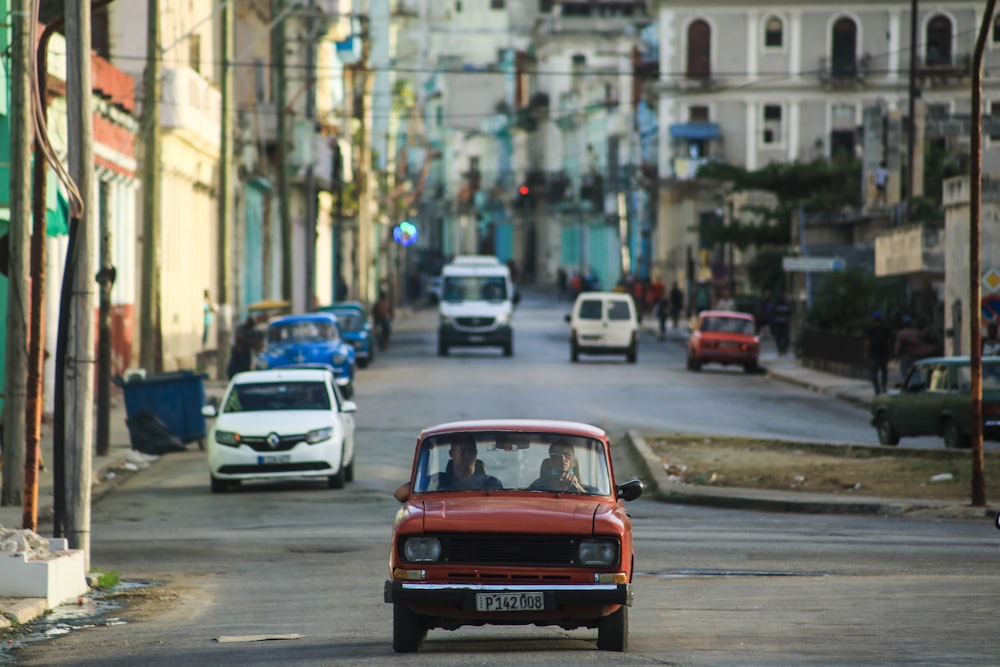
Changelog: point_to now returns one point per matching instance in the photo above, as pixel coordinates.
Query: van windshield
(475, 288)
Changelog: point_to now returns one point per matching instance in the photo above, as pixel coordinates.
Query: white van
(604, 323)
(477, 304)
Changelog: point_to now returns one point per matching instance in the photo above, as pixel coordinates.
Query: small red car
(512, 522)
(724, 337)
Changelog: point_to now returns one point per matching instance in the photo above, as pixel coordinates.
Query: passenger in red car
(465, 471)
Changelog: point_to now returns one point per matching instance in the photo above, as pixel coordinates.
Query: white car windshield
(493, 460)
(270, 396)
(475, 288)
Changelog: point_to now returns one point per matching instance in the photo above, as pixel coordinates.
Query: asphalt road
(714, 587)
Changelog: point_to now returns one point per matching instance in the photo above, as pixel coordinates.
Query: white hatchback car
(604, 323)
(281, 423)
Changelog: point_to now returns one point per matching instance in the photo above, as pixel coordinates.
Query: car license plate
(273, 458)
(510, 601)
(476, 339)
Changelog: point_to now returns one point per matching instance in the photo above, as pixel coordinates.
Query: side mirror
(348, 406)
(402, 492)
(569, 318)
(517, 297)
(630, 490)
(208, 410)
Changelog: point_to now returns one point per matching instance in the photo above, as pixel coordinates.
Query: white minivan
(477, 304)
(604, 323)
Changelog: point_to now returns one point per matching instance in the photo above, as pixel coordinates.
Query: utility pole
(149, 310)
(284, 204)
(363, 171)
(312, 26)
(975, 274)
(224, 288)
(911, 129)
(19, 239)
(80, 361)
(106, 279)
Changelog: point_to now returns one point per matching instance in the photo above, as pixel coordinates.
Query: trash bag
(150, 435)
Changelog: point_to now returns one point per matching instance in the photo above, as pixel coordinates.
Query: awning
(694, 130)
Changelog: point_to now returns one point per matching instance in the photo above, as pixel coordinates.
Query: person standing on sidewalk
(780, 321)
(877, 342)
(910, 346)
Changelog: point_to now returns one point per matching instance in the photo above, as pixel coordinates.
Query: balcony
(910, 250)
(190, 103)
(948, 70)
(844, 73)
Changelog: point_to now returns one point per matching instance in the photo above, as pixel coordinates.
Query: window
(194, 52)
(938, 42)
(259, 80)
(698, 114)
(845, 42)
(772, 124)
(994, 118)
(774, 37)
(699, 50)
(544, 6)
(496, 4)
(996, 29)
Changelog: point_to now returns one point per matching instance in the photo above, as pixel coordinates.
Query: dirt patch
(814, 468)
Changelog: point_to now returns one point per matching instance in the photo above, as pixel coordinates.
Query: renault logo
(273, 440)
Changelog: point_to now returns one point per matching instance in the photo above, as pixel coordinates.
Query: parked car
(934, 399)
(724, 337)
(356, 328)
(512, 522)
(280, 424)
(313, 338)
(604, 323)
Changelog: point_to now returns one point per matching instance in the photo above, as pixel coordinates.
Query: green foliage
(766, 274)
(821, 185)
(108, 579)
(846, 300)
(744, 234)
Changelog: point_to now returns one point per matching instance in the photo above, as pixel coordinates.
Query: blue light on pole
(405, 234)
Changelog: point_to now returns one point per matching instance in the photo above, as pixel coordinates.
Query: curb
(784, 501)
(19, 611)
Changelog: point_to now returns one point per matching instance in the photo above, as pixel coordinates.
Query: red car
(724, 337)
(512, 522)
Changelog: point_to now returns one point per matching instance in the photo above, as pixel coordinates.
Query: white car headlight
(598, 552)
(319, 435)
(502, 320)
(422, 549)
(227, 438)
(445, 321)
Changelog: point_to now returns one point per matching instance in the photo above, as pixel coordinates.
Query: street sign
(991, 281)
(812, 263)
(991, 308)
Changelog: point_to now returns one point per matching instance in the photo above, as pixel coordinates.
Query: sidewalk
(107, 470)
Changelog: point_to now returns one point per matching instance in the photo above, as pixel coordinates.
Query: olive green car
(934, 399)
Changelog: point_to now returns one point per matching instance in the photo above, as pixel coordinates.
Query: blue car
(310, 340)
(356, 329)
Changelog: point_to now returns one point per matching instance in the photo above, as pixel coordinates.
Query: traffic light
(524, 198)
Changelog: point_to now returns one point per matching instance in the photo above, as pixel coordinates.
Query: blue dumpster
(176, 398)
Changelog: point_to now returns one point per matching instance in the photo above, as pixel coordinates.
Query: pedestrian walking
(910, 346)
(247, 341)
(877, 344)
(780, 319)
(991, 341)
(676, 304)
(209, 309)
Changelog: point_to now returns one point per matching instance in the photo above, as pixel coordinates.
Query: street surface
(713, 587)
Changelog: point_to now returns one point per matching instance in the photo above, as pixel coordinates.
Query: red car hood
(497, 514)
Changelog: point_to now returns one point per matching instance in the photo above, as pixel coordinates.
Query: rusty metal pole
(975, 229)
(36, 323)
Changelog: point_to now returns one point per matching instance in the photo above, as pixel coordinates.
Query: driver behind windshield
(559, 471)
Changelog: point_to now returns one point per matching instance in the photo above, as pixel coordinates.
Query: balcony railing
(838, 72)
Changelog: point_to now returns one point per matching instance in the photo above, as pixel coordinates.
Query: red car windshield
(736, 325)
(493, 460)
